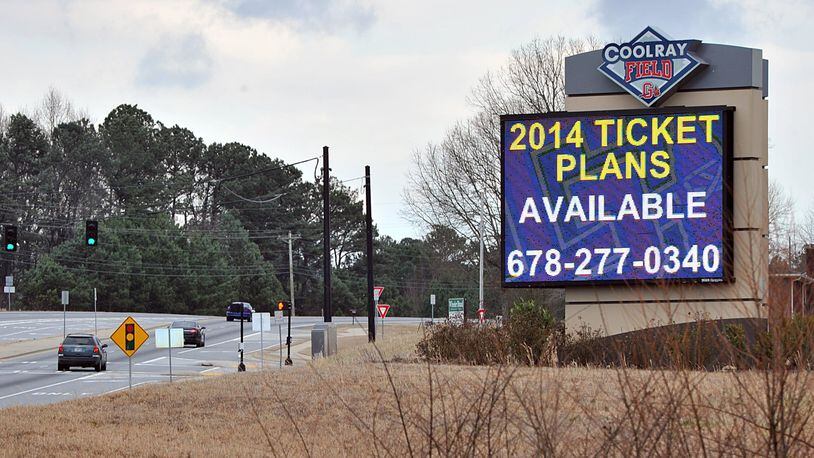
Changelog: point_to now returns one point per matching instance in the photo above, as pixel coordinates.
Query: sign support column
(64, 313)
(169, 350)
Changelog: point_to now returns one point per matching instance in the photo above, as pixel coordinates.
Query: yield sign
(129, 336)
(377, 292)
(383, 309)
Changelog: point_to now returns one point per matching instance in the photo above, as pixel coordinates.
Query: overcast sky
(373, 80)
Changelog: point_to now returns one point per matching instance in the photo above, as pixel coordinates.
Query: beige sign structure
(734, 77)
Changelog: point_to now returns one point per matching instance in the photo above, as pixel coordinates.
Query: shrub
(463, 344)
(525, 338)
(529, 331)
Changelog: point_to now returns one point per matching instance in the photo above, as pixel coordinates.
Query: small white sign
(279, 316)
(432, 299)
(261, 318)
(8, 289)
(64, 298)
(169, 338)
(9, 280)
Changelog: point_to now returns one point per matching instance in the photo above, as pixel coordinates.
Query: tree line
(187, 227)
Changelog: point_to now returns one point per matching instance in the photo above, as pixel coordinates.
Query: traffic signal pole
(371, 304)
(288, 361)
(241, 367)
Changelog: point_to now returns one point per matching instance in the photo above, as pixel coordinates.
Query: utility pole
(480, 288)
(327, 311)
(290, 274)
(371, 304)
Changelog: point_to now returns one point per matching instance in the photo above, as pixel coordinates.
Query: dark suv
(194, 333)
(83, 350)
(236, 309)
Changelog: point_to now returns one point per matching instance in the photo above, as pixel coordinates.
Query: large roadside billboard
(617, 196)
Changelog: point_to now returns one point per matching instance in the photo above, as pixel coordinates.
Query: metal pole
(288, 361)
(371, 303)
(291, 274)
(326, 236)
(130, 373)
(480, 287)
(241, 367)
(169, 348)
(64, 324)
(280, 330)
(262, 366)
(95, 323)
(792, 298)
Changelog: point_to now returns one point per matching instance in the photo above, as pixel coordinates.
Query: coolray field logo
(650, 66)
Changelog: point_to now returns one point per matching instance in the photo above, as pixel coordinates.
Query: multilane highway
(28, 372)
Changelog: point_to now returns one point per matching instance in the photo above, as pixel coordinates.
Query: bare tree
(55, 109)
(456, 181)
(783, 233)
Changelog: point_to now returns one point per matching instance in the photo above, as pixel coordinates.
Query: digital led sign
(616, 196)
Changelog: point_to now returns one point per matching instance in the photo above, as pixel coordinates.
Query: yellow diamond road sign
(129, 336)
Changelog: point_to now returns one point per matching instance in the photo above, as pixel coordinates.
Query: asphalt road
(33, 378)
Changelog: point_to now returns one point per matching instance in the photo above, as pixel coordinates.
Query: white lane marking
(151, 361)
(210, 369)
(124, 387)
(48, 386)
(221, 343)
(27, 331)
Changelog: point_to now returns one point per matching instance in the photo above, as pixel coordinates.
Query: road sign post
(278, 318)
(169, 338)
(64, 312)
(432, 307)
(261, 321)
(288, 360)
(129, 337)
(95, 323)
(383, 309)
(9, 289)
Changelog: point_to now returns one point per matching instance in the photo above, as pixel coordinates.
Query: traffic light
(91, 233)
(283, 305)
(10, 238)
(129, 336)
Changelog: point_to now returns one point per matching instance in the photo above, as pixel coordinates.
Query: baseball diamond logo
(650, 67)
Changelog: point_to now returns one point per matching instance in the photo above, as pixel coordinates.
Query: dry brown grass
(360, 404)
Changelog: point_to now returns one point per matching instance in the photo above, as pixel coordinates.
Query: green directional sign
(456, 309)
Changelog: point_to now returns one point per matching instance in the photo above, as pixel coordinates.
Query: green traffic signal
(91, 232)
(9, 247)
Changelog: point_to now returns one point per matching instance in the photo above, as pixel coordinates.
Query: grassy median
(384, 401)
